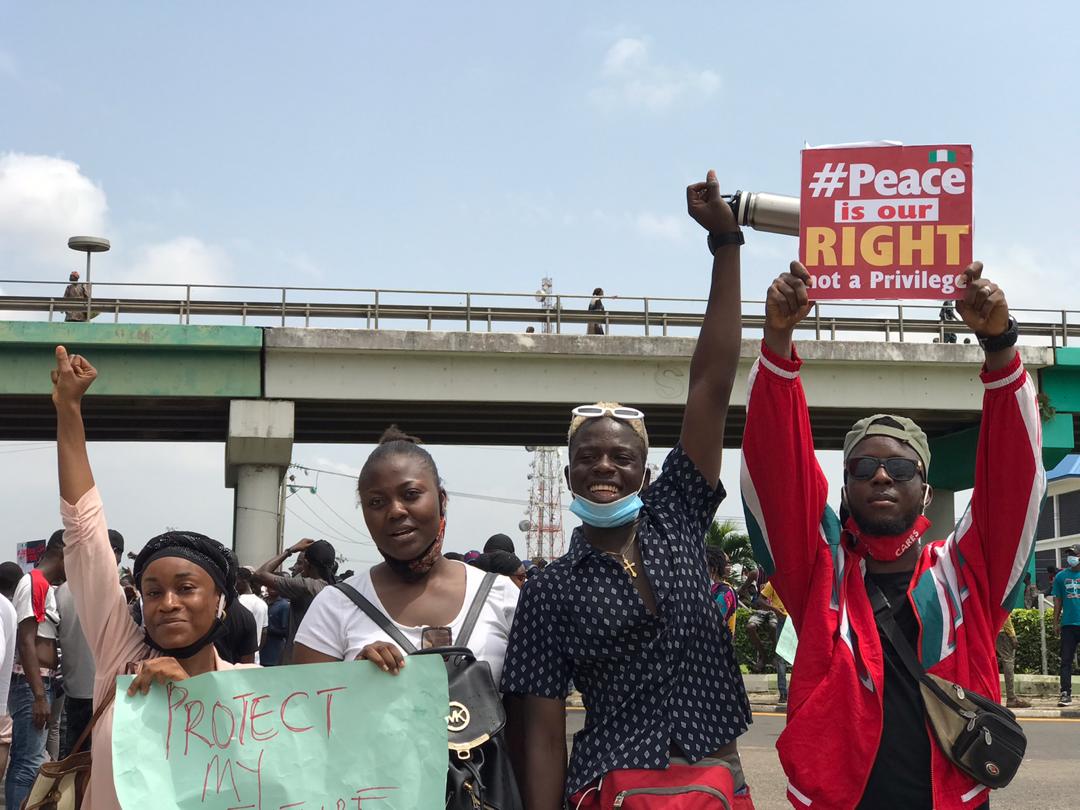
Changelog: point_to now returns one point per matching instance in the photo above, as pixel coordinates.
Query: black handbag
(480, 776)
(978, 735)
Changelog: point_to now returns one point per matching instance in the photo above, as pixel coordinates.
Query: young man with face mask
(626, 614)
(857, 733)
(1066, 591)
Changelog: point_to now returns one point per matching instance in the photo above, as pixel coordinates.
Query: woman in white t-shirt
(422, 592)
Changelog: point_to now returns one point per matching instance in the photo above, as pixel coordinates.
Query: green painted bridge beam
(147, 360)
(952, 463)
(1061, 382)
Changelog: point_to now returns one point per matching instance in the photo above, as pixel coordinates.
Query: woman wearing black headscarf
(187, 581)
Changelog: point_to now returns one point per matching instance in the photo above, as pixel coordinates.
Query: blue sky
(484, 145)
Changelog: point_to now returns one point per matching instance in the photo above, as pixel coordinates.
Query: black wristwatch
(1002, 341)
(716, 240)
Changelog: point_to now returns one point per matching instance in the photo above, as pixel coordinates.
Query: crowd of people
(637, 616)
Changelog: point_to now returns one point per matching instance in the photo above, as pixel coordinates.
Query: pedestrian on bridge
(596, 305)
(625, 614)
(80, 293)
(187, 581)
(872, 602)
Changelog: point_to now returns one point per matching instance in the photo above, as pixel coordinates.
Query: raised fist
(788, 300)
(71, 378)
(983, 307)
(707, 208)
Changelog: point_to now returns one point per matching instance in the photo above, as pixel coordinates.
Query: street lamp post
(88, 245)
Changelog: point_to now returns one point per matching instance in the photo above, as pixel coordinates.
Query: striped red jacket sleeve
(996, 535)
(783, 488)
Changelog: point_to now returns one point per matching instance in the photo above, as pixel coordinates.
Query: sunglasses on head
(595, 411)
(863, 468)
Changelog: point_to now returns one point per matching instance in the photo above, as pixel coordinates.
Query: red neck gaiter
(888, 549)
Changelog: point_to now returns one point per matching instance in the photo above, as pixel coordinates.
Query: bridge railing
(454, 310)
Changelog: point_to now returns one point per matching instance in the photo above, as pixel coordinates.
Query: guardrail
(382, 309)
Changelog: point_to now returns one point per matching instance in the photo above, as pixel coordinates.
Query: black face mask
(216, 631)
(417, 568)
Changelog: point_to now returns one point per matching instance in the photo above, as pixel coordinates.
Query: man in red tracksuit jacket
(857, 735)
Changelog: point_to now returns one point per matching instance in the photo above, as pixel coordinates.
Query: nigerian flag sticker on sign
(942, 156)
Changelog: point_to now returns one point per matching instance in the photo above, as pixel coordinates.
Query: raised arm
(71, 378)
(716, 356)
(784, 491)
(100, 602)
(264, 574)
(996, 536)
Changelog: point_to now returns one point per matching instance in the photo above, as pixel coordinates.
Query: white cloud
(181, 260)
(626, 54)
(631, 78)
(43, 201)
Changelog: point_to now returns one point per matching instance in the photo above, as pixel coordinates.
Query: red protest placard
(886, 221)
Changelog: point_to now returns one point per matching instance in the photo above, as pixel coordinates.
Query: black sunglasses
(863, 468)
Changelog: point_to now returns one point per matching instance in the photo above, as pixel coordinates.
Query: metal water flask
(775, 213)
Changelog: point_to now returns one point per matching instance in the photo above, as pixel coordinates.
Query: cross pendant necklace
(628, 565)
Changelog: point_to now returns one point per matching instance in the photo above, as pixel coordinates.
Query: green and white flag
(942, 156)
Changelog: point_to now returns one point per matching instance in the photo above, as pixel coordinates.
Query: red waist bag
(679, 787)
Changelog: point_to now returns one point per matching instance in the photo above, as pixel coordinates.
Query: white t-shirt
(335, 626)
(24, 609)
(8, 625)
(258, 609)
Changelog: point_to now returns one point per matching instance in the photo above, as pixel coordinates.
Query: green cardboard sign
(340, 736)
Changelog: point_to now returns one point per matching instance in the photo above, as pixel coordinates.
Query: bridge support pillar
(942, 513)
(257, 453)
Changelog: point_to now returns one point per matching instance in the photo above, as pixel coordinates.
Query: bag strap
(79, 743)
(474, 610)
(886, 622)
(376, 616)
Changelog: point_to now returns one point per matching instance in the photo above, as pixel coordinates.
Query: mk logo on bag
(458, 719)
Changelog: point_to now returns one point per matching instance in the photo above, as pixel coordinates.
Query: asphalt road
(1047, 780)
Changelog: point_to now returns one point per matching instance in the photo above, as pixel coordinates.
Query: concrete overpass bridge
(176, 383)
(259, 389)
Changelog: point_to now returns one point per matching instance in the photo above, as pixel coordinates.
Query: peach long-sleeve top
(114, 638)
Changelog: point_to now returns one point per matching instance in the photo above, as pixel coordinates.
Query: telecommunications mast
(544, 533)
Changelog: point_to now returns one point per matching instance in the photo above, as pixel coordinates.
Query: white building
(1059, 521)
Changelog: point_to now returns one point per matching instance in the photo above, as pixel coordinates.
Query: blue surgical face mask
(607, 515)
(1072, 562)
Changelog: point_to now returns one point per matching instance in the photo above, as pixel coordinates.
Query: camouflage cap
(897, 427)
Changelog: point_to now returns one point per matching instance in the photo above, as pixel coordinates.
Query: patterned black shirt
(648, 681)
